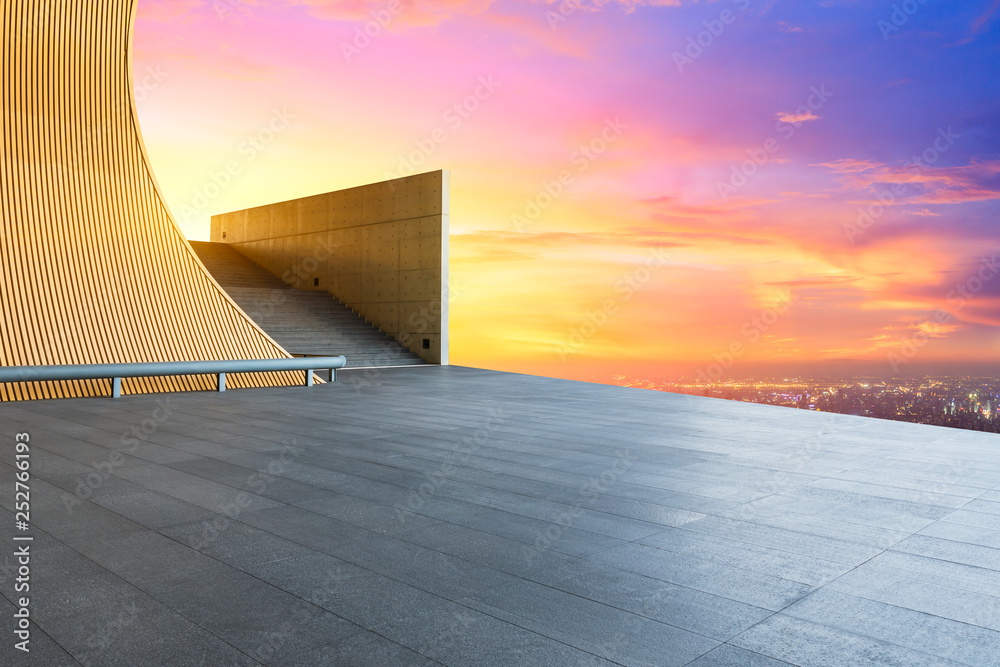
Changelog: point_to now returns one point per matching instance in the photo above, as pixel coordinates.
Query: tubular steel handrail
(115, 372)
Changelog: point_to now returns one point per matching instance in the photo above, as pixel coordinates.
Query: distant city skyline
(655, 185)
(968, 402)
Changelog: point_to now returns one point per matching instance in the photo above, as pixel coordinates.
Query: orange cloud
(165, 10)
(411, 13)
(805, 195)
(849, 166)
(421, 13)
(793, 118)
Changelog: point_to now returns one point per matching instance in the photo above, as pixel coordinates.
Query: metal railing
(115, 372)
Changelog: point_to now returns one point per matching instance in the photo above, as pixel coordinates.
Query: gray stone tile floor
(455, 516)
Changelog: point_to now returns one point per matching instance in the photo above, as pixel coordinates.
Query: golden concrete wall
(382, 249)
(93, 268)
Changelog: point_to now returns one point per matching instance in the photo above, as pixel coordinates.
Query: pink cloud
(166, 10)
(409, 13)
(805, 195)
(849, 166)
(793, 118)
(943, 185)
(984, 19)
(785, 27)
(423, 13)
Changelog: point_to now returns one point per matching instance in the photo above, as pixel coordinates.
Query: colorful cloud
(800, 151)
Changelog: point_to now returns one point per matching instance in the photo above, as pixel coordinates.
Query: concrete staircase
(303, 322)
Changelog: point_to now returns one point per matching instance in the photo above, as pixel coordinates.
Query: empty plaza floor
(455, 516)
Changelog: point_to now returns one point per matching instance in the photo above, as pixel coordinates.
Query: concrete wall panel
(382, 249)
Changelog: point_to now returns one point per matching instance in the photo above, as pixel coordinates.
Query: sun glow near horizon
(608, 205)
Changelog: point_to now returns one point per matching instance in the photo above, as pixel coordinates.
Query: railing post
(117, 372)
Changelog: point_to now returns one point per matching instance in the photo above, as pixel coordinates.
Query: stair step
(304, 322)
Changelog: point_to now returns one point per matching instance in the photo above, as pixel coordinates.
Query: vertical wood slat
(94, 267)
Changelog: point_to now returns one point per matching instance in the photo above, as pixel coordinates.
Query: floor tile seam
(528, 479)
(710, 560)
(740, 541)
(740, 648)
(408, 584)
(311, 511)
(298, 505)
(781, 612)
(908, 577)
(149, 595)
(895, 548)
(480, 486)
(447, 446)
(167, 606)
(944, 520)
(39, 629)
(146, 488)
(474, 563)
(864, 497)
(905, 488)
(758, 521)
(141, 491)
(814, 516)
(901, 488)
(906, 609)
(824, 586)
(525, 628)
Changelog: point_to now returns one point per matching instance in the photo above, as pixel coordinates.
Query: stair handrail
(219, 368)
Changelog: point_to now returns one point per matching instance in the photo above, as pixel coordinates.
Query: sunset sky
(638, 186)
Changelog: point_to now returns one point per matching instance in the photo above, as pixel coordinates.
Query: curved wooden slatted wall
(93, 268)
